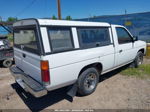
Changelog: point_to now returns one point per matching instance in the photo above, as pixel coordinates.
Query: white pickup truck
(51, 54)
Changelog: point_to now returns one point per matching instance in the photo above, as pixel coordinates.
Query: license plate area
(6, 54)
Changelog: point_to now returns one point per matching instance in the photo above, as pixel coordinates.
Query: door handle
(120, 51)
(24, 55)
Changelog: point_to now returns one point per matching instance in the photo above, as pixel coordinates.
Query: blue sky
(74, 8)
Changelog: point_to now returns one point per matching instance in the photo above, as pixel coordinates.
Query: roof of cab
(49, 22)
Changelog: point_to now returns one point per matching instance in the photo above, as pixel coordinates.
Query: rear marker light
(45, 72)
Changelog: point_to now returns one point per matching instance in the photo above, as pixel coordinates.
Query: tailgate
(27, 51)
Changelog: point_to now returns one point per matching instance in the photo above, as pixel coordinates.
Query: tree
(68, 18)
(12, 19)
(54, 17)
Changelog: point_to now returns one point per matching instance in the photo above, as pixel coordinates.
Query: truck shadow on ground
(38, 104)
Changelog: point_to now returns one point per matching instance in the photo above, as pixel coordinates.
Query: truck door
(124, 46)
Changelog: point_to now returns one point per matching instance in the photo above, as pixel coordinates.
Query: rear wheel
(88, 81)
(7, 63)
(139, 59)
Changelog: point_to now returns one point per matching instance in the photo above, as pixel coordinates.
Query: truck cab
(50, 54)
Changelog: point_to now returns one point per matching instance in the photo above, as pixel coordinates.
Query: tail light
(45, 72)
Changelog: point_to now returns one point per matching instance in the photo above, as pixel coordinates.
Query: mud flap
(72, 91)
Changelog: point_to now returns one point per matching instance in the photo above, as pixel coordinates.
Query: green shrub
(10, 37)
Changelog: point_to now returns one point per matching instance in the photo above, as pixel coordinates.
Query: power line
(27, 7)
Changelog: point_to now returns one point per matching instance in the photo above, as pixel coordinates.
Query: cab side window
(123, 36)
(61, 39)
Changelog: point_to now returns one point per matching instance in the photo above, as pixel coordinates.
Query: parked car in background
(6, 52)
(51, 54)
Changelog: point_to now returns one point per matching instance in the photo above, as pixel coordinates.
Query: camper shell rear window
(26, 39)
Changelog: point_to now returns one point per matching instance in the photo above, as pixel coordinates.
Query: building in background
(137, 23)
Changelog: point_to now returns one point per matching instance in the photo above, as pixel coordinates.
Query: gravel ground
(113, 92)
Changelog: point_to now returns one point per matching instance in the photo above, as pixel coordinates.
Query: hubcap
(90, 81)
(8, 63)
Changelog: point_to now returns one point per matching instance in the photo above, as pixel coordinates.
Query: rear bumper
(27, 83)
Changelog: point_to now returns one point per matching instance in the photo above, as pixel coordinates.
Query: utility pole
(125, 12)
(59, 9)
(125, 17)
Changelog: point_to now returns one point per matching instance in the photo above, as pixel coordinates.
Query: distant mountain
(137, 23)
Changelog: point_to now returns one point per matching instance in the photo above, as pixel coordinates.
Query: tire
(7, 63)
(87, 81)
(138, 60)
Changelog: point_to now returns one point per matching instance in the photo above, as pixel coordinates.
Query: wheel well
(98, 66)
(142, 50)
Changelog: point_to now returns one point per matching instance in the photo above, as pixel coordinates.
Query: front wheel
(88, 81)
(139, 59)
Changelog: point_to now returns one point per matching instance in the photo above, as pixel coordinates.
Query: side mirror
(135, 38)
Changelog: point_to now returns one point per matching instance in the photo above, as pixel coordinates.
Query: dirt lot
(113, 92)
